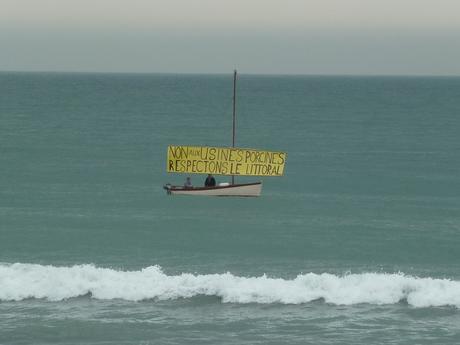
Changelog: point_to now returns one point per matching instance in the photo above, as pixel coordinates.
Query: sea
(358, 242)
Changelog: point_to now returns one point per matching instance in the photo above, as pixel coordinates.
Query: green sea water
(358, 243)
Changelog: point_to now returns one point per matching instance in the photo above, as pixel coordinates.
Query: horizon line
(231, 72)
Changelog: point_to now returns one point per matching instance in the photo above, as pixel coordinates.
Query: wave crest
(22, 281)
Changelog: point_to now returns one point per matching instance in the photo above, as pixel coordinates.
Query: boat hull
(242, 190)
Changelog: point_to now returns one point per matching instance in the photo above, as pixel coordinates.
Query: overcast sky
(409, 37)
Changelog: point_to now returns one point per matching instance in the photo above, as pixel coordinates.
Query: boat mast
(234, 115)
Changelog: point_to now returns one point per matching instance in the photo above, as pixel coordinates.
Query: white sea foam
(21, 281)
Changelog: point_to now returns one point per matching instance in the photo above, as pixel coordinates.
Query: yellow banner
(225, 161)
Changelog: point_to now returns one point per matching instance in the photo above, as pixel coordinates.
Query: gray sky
(407, 37)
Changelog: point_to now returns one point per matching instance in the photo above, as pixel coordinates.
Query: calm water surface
(358, 243)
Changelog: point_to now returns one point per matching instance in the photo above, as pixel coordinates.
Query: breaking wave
(23, 281)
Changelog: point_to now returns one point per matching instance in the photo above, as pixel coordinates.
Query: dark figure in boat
(210, 181)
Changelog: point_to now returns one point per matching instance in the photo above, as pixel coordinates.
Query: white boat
(242, 189)
(229, 161)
